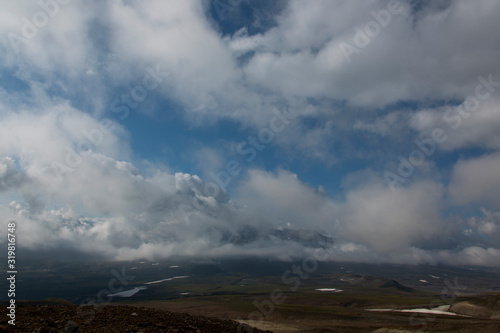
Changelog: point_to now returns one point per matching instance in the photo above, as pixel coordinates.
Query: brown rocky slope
(73, 318)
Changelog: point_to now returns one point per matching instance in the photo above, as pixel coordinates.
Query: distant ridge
(377, 282)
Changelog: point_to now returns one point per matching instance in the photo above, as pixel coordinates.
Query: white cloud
(409, 59)
(477, 181)
(179, 37)
(412, 58)
(282, 198)
(390, 221)
(416, 57)
(106, 205)
(53, 45)
(463, 128)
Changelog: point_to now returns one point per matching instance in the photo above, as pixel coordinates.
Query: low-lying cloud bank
(104, 207)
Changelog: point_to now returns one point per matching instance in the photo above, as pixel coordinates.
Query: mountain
(308, 238)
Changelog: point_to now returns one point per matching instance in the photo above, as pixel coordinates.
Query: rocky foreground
(72, 319)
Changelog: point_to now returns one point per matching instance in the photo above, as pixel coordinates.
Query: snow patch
(128, 293)
(168, 279)
(443, 309)
(329, 290)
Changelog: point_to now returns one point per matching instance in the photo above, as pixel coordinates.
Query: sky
(165, 129)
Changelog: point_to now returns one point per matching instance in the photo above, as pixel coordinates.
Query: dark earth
(108, 318)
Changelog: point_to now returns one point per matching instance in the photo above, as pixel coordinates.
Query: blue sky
(164, 128)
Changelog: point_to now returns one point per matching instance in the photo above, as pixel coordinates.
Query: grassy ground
(307, 310)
